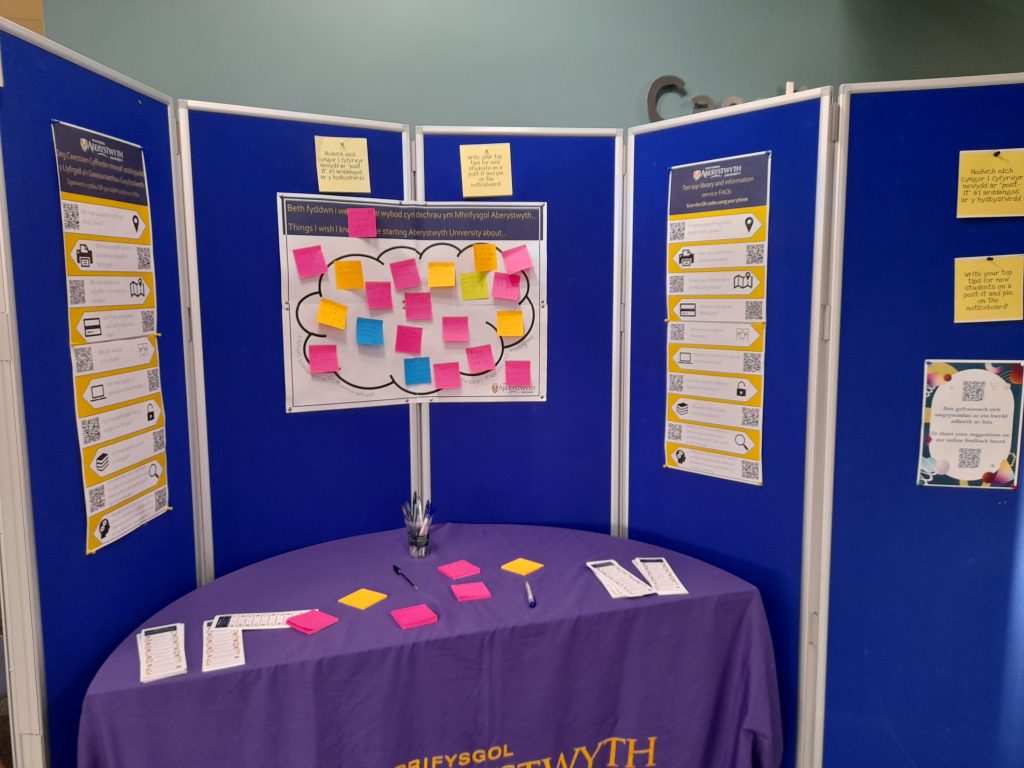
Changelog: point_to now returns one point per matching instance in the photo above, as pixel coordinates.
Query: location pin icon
(135, 223)
(749, 221)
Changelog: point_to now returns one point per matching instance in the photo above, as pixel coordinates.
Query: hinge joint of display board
(625, 161)
(5, 337)
(177, 136)
(1, 69)
(826, 322)
(412, 156)
(188, 311)
(833, 124)
(622, 317)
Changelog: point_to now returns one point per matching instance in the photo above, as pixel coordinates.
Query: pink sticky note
(414, 616)
(323, 358)
(362, 222)
(409, 339)
(505, 287)
(311, 621)
(447, 376)
(460, 569)
(480, 358)
(405, 274)
(418, 306)
(309, 261)
(517, 373)
(378, 295)
(455, 329)
(517, 259)
(474, 590)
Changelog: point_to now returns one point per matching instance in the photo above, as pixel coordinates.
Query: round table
(682, 680)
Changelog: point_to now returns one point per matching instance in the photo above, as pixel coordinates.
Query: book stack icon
(102, 462)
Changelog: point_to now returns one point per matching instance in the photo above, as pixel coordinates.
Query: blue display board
(279, 481)
(88, 604)
(926, 621)
(542, 463)
(753, 532)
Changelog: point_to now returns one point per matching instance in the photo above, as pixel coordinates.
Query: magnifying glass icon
(154, 470)
(741, 440)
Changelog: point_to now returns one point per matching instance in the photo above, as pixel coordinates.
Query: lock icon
(741, 389)
(150, 413)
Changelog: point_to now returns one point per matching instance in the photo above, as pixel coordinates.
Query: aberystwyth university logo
(613, 752)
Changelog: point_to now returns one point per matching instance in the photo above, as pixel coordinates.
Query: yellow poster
(486, 170)
(990, 183)
(988, 288)
(342, 164)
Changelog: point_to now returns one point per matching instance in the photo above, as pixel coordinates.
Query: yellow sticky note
(988, 288)
(485, 257)
(991, 183)
(510, 323)
(342, 164)
(440, 274)
(522, 566)
(348, 275)
(362, 599)
(474, 285)
(486, 170)
(332, 313)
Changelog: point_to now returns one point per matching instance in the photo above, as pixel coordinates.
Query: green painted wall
(527, 62)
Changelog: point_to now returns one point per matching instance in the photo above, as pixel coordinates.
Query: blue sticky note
(370, 332)
(417, 371)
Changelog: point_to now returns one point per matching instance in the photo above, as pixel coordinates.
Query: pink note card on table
(362, 222)
(311, 621)
(460, 569)
(405, 274)
(517, 373)
(517, 259)
(309, 261)
(409, 339)
(474, 590)
(414, 616)
(505, 287)
(455, 329)
(378, 295)
(447, 376)
(418, 306)
(480, 358)
(323, 358)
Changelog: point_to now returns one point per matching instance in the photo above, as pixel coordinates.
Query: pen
(529, 596)
(399, 572)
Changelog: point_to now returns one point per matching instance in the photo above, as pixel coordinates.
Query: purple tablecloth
(581, 680)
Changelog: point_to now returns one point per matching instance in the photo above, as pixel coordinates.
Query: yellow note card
(474, 285)
(342, 164)
(362, 599)
(486, 170)
(522, 566)
(987, 288)
(332, 313)
(348, 275)
(485, 257)
(510, 323)
(991, 183)
(440, 274)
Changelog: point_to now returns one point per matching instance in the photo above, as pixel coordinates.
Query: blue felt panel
(89, 604)
(927, 595)
(541, 463)
(754, 532)
(279, 481)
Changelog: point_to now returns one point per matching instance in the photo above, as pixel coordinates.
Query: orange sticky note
(441, 274)
(485, 257)
(510, 323)
(348, 275)
(332, 313)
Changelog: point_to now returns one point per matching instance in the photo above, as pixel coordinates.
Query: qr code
(755, 254)
(145, 257)
(153, 379)
(97, 498)
(677, 230)
(677, 283)
(675, 382)
(148, 321)
(677, 332)
(674, 433)
(159, 440)
(750, 470)
(76, 292)
(83, 359)
(753, 310)
(91, 430)
(71, 221)
(160, 500)
(750, 417)
(974, 391)
(752, 362)
(969, 458)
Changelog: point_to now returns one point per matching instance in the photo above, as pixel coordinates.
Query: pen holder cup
(418, 541)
